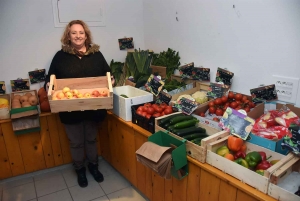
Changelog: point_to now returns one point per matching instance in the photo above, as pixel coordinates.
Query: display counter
(117, 142)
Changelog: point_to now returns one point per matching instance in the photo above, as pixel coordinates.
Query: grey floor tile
(114, 182)
(47, 175)
(63, 195)
(105, 168)
(50, 185)
(126, 194)
(20, 193)
(92, 191)
(17, 182)
(103, 198)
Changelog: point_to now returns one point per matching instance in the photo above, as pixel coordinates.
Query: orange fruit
(229, 156)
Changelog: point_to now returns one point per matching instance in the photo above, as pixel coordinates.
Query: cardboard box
(245, 175)
(122, 106)
(197, 152)
(269, 144)
(278, 178)
(83, 85)
(5, 111)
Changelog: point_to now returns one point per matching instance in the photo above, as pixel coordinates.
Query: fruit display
(4, 103)
(154, 110)
(43, 99)
(236, 151)
(184, 126)
(67, 93)
(26, 100)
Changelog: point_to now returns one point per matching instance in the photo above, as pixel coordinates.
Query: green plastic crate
(178, 154)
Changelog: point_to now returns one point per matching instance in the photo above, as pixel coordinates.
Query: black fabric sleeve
(51, 69)
(104, 64)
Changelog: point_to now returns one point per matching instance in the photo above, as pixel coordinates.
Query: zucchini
(184, 131)
(187, 123)
(179, 119)
(167, 119)
(194, 136)
(166, 125)
(124, 96)
(197, 140)
(171, 127)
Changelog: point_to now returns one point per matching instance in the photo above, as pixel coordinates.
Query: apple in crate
(69, 95)
(103, 92)
(66, 89)
(87, 95)
(95, 93)
(79, 95)
(75, 92)
(60, 95)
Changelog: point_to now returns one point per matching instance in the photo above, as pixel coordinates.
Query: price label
(2, 87)
(292, 143)
(186, 71)
(163, 97)
(19, 85)
(236, 123)
(186, 106)
(224, 76)
(126, 43)
(37, 76)
(265, 93)
(154, 85)
(202, 74)
(217, 90)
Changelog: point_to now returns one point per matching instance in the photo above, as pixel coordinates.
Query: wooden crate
(83, 85)
(281, 173)
(197, 152)
(245, 175)
(161, 70)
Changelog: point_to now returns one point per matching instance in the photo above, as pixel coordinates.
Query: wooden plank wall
(21, 154)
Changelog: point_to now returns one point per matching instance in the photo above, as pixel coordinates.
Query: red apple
(95, 93)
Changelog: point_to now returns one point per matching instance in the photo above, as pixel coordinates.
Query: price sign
(202, 74)
(186, 106)
(217, 90)
(292, 143)
(186, 71)
(224, 76)
(19, 85)
(265, 93)
(37, 76)
(2, 87)
(154, 85)
(163, 97)
(126, 43)
(236, 123)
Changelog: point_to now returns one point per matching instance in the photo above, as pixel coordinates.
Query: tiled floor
(60, 184)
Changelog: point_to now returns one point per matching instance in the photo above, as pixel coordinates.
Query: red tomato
(147, 104)
(238, 96)
(226, 104)
(154, 106)
(219, 112)
(150, 110)
(211, 104)
(145, 108)
(218, 101)
(244, 98)
(140, 108)
(148, 116)
(212, 110)
(247, 109)
(158, 109)
(156, 115)
(238, 102)
(233, 105)
(144, 114)
(251, 104)
(202, 114)
(231, 95)
(224, 99)
(163, 105)
(168, 110)
(238, 107)
(163, 113)
(139, 112)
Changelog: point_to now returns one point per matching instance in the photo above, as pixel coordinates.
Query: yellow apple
(75, 92)
(79, 95)
(60, 95)
(69, 95)
(87, 95)
(66, 89)
(54, 98)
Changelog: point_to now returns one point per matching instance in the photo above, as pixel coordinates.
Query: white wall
(255, 40)
(29, 40)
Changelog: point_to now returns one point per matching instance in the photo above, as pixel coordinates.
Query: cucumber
(194, 136)
(124, 96)
(179, 119)
(187, 123)
(171, 127)
(197, 140)
(166, 125)
(184, 131)
(167, 119)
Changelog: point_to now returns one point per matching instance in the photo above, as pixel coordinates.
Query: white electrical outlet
(286, 88)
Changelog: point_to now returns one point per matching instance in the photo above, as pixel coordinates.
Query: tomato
(150, 110)
(140, 108)
(163, 113)
(238, 102)
(168, 110)
(202, 114)
(147, 104)
(251, 104)
(244, 98)
(211, 104)
(231, 95)
(163, 105)
(139, 112)
(145, 108)
(158, 109)
(226, 104)
(246, 101)
(148, 116)
(218, 101)
(238, 107)
(238, 96)
(156, 115)
(144, 114)
(224, 99)
(219, 112)
(247, 109)
(212, 110)
(233, 105)
(216, 119)
(154, 106)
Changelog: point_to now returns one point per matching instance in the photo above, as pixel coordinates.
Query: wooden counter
(118, 141)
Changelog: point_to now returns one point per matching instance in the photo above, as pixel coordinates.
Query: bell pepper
(263, 155)
(263, 165)
(222, 150)
(242, 162)
(253, 158)
(240, 154)
(235, 143)
(261, 172)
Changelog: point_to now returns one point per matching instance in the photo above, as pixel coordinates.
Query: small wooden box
(5, 111)
(84, 85)
(245, 175)
(197, 152)
(160, 70)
